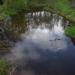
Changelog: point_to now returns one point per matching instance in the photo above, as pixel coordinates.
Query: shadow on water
(44, 49)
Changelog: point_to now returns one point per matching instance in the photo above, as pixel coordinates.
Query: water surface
(44, 49)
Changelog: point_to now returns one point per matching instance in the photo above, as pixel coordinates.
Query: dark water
(43, 49)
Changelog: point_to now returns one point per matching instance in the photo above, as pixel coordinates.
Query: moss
(70, 31)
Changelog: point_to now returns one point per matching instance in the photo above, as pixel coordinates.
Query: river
(43, 48)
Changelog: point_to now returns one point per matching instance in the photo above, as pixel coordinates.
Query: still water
(44, 49)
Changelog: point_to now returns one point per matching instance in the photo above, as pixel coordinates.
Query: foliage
(15, 6)
(11, 7)
(70, 31)
(4, 67)
(64, 7)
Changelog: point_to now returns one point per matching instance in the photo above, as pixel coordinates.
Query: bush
(70, 31)
(4, 67)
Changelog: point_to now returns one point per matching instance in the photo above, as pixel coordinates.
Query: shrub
(70, 31)
(4, 67)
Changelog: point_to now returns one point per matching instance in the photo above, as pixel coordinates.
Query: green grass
(70, 31)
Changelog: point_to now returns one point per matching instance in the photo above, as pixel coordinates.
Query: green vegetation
(4, 67)
(10, 7)
(63, 7)
(70, 31)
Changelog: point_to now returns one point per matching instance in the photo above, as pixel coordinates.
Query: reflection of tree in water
(41, 52)
(1, 33)
(39, 18)
(15, 26)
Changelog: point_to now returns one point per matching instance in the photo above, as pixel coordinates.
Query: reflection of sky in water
(53, 39)
(47, 39)
(44, 51)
